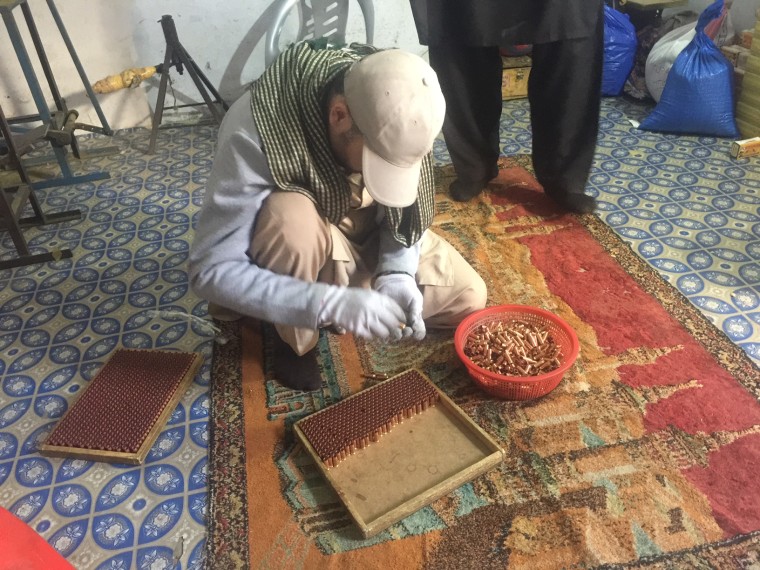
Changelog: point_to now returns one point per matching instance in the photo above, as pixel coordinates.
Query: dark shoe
(576, 203)
(293, 371)
(464, 191)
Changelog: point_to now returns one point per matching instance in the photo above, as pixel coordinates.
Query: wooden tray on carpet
(121, 412)
(418, 461)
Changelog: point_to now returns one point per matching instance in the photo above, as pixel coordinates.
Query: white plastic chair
(317, 19)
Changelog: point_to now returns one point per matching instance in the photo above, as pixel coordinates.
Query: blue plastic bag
(620, 43)
(698, 98)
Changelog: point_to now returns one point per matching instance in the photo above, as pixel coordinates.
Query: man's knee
(288, 222)
(445, 307)
(475, 295)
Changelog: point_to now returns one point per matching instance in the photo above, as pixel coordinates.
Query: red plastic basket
(518, 387)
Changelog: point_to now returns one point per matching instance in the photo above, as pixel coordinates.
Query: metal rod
(159, 112)
(208, 84)
(17, 163)
(7, 213)
(71, 179)
(26, 66)
(33, 259)
(72, 52)
(44, 62)
(184, 58)
(33, 83)
(192, 70)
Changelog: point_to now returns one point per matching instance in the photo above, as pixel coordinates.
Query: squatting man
(318, 204)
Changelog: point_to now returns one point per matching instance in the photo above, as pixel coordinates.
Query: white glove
(402, 288)
(363, 312)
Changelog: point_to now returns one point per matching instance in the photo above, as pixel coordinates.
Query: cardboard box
(514, 83)
(753, 64)
(514, 77)
(745, 148)
(737, 55)
(745, 39)
(747, 128)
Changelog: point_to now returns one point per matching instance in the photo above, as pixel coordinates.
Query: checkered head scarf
(287, 105)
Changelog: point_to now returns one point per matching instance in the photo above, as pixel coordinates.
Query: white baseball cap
(396, 102)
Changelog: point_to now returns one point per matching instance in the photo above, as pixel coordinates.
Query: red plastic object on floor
(518, 387)
(23, 549)
(516, 50)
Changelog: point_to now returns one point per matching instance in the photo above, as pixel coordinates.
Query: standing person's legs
(470, 79)
(564, 89)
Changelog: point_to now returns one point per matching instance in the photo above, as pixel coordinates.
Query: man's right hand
(363, 312)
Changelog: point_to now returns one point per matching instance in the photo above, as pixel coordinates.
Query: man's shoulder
(239, 119)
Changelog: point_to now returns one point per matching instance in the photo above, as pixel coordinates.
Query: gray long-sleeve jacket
(220, 269)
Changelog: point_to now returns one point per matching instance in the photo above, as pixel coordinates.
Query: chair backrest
(317, 19)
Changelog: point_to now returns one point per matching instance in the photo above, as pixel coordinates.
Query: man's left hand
(402, 288)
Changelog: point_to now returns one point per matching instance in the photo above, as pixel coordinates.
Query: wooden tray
(118, 417)
(420, 460)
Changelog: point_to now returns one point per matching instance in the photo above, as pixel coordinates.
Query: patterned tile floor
(125, 286)
(681, 202)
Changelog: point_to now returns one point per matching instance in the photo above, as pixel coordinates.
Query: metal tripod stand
(177, 56)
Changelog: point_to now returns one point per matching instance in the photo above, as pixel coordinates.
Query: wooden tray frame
(124, 457)
(372, 527)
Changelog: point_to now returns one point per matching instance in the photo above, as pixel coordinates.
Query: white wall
(742, 11)
(225, 39)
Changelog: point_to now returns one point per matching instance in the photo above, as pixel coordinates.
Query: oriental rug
(644, 456)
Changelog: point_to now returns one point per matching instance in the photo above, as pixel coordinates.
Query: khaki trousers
(291, 238)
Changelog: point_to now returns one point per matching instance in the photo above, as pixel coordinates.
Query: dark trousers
(564, 91)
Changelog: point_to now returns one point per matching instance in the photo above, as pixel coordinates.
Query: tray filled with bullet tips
(394, 448)
(119, 415)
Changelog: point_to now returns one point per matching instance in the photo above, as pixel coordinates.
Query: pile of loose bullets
(513, 348)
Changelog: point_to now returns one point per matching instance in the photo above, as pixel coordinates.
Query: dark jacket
(503, 22)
